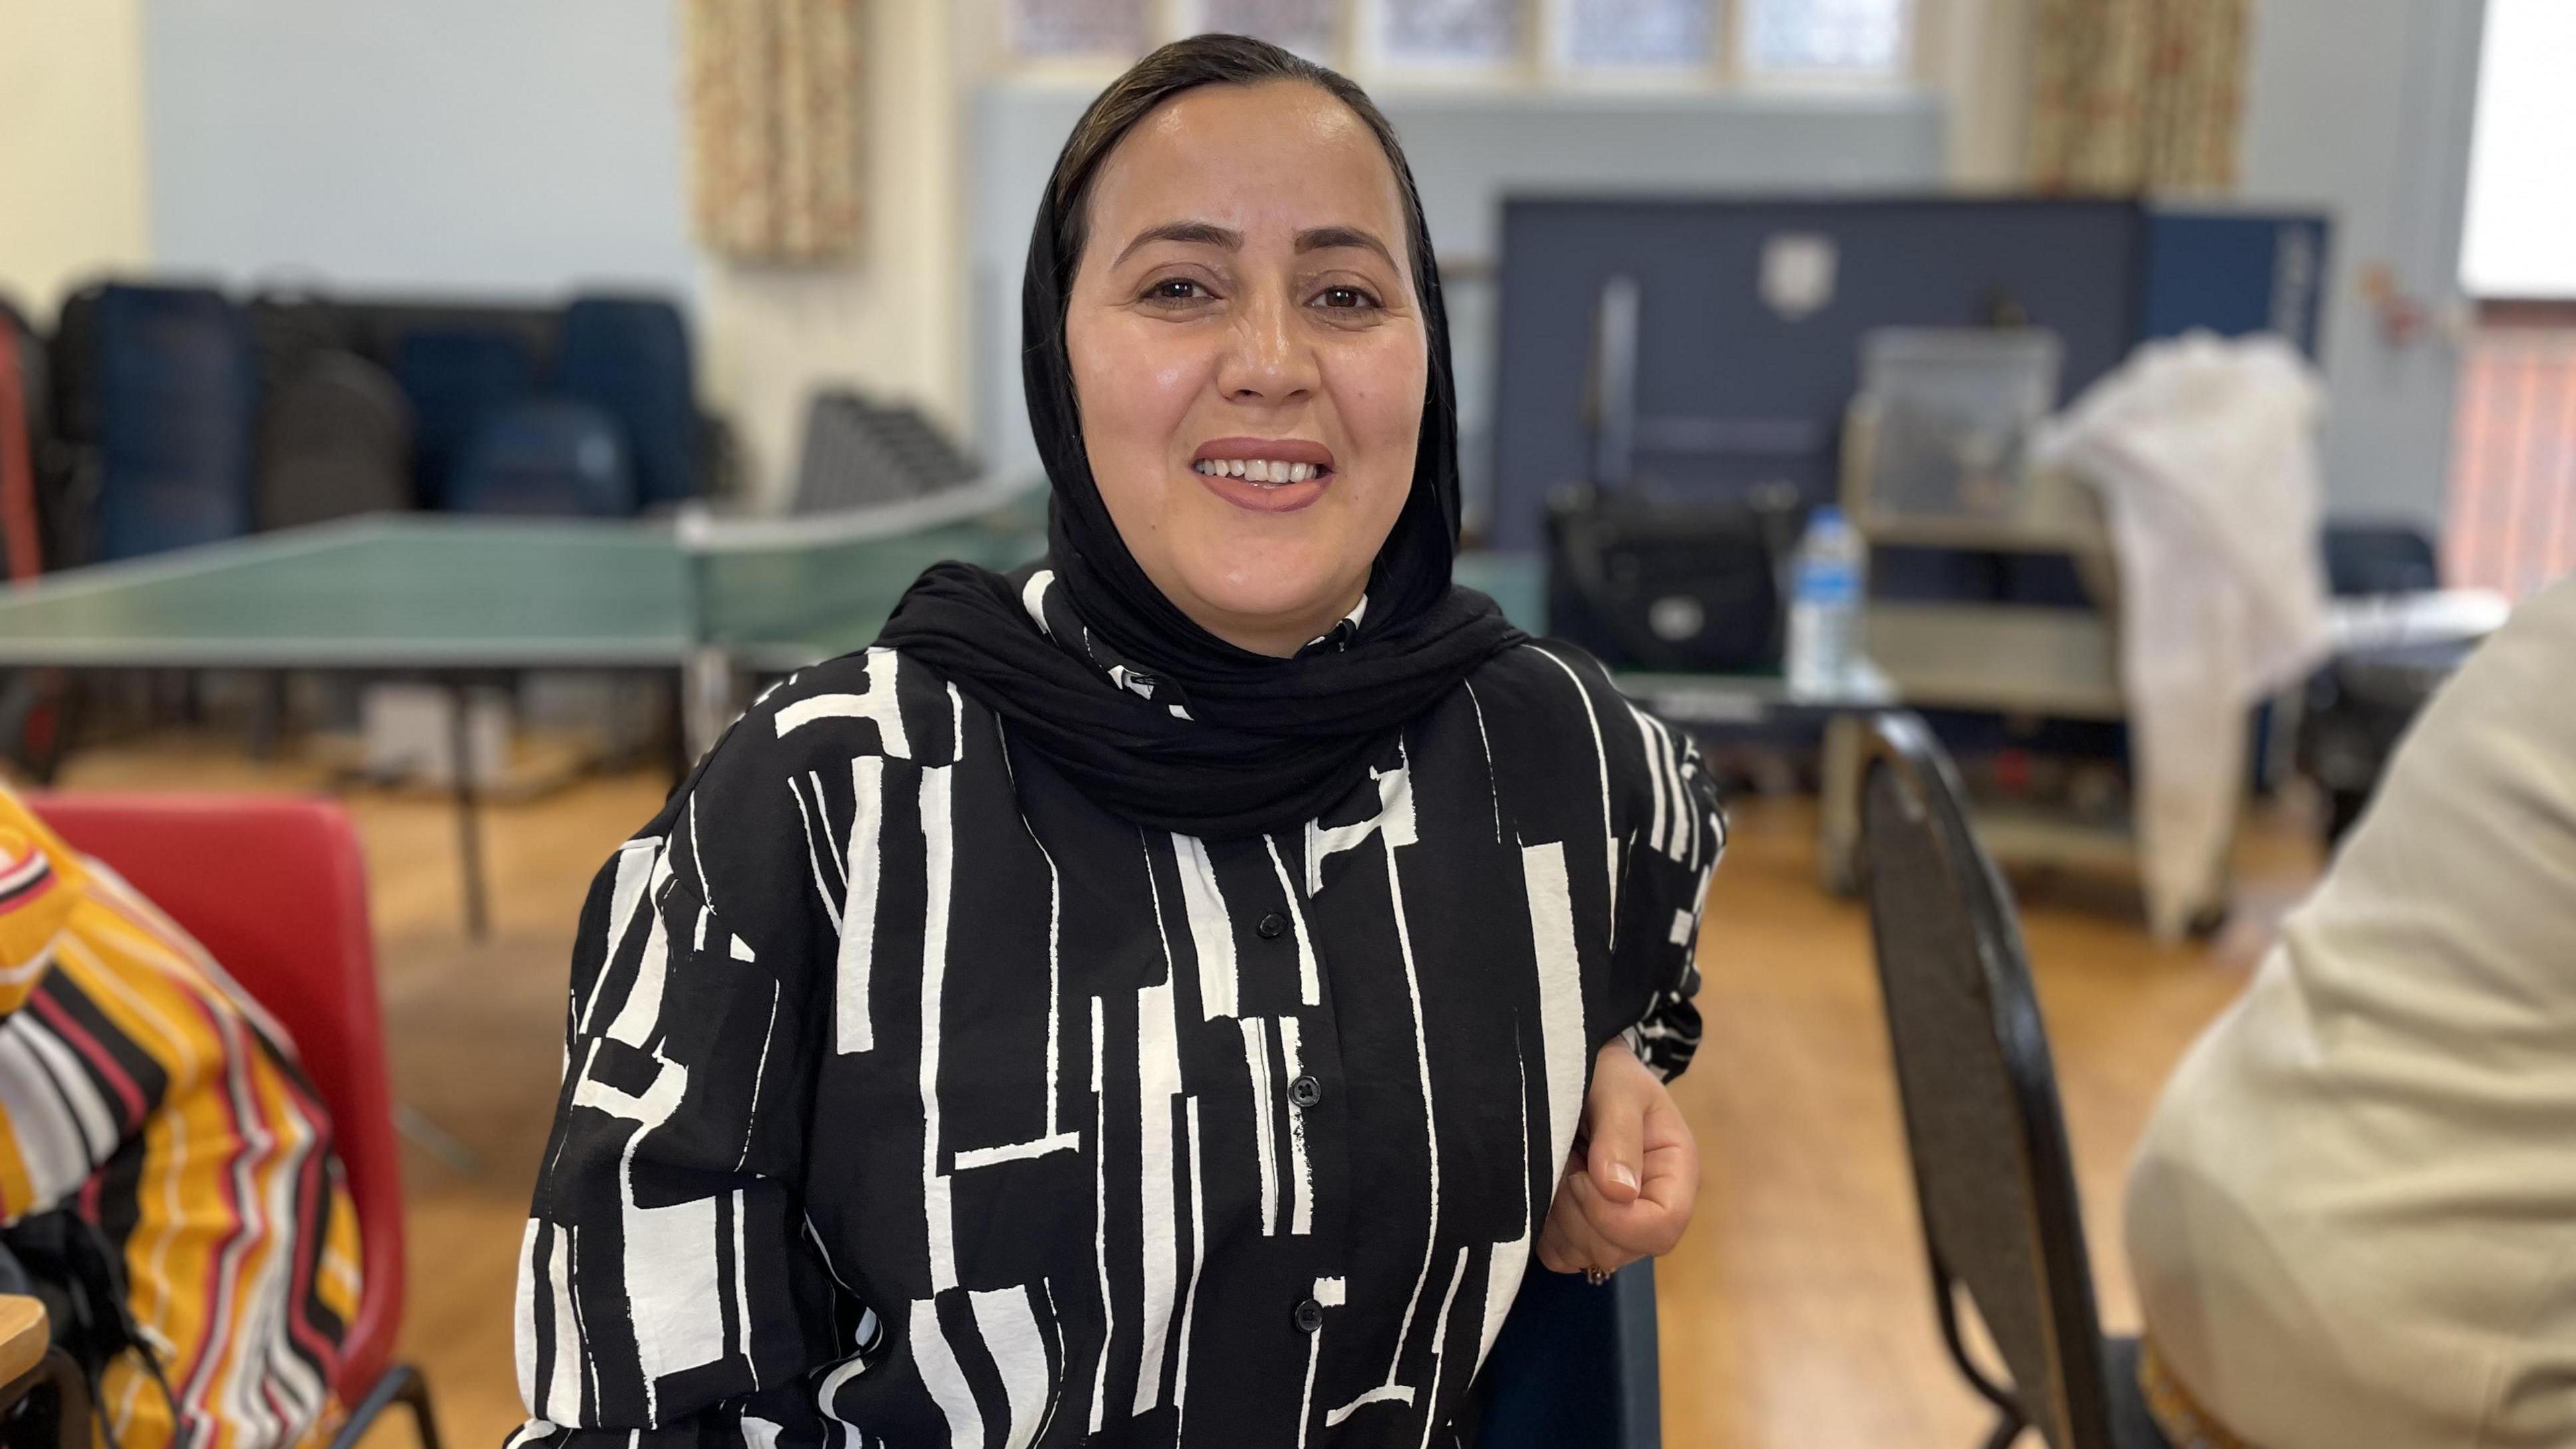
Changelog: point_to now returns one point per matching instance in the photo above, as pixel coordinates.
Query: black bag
(62, 1260)
(1651, 583)
(334, 440)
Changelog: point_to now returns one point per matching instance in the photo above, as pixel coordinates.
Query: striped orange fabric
(134, 1090)
(2512, 514)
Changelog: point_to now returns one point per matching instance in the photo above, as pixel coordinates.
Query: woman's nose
(1266, 360)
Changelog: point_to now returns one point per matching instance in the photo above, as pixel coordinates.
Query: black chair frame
(401, 1385)
(48, 1404)
(2082, 1396)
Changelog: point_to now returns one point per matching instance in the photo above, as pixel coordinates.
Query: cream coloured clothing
(2353, 1217)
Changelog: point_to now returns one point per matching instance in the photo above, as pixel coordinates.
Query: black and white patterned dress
(911, 1099)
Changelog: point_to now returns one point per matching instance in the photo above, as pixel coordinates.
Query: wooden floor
(1793, 1316)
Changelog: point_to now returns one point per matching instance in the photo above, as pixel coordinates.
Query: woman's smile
(1264, 475)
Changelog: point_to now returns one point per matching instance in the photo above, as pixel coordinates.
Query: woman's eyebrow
(1209, 234)
(1189, 233)
(1325, 238)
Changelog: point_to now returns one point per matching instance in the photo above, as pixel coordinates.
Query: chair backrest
(546, 459)
(177, 390)
(1993, 1180)
(859, 454)
(1574, 1366)
(334, 439)
(275, 890)
(456, 378)
(71, 356)
(629, 357)
(2379, 558)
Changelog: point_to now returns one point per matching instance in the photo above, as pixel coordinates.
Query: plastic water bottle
(1828, 578)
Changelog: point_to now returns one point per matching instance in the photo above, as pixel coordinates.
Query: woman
(168, 1185)
(1148, 999)
(2348, 1216)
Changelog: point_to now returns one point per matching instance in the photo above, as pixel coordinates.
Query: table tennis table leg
(1838, 815)
(469, 825)
(710, 701)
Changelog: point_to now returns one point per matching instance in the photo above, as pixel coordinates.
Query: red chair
(275, 890)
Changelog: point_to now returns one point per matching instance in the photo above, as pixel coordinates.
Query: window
(1304, 26)
(2511, 507)
(2520, 238)
(1514, 41)
(2511, 521)
(1449, 32)
(1640, 32)
(1077, 27)
(1856, 38)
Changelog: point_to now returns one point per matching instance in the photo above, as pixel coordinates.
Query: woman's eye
(1175, 289)
(1344, 299)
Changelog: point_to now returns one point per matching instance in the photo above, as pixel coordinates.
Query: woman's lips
(1264, 475)
(1264, 497)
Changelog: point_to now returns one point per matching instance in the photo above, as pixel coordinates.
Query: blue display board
(1751, 310)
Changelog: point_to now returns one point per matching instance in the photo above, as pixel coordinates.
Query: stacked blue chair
(177, 388)
(457, 379)
(559, 459)
(629, 357)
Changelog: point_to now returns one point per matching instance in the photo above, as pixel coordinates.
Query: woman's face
(1249, 356)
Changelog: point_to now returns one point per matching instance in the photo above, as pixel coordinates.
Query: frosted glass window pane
(1078, 27)
(1638, 32)
(1840, 37)
(1304, 26)
(1451, 31)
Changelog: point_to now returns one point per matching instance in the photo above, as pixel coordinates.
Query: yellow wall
(892, 323)
(72, 182)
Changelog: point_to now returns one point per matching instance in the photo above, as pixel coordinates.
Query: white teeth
(1257, 470)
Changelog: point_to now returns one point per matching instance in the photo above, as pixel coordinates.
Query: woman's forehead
(1281, 154)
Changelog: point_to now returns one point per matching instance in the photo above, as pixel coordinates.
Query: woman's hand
(1632, 1178)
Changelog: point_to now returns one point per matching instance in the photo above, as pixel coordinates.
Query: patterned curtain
(2136, 95)
(775, 109)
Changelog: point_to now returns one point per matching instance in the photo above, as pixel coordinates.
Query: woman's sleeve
(1673, 843)
(668, 1286)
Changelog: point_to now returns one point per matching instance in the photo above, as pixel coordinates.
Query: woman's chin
(1280, 595)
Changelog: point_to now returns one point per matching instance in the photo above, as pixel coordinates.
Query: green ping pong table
(469, 602)
(708, 603)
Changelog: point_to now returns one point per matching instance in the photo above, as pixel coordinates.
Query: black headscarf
(1195, 734)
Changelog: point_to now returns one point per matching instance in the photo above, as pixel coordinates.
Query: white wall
(2521, 239)
(72, 178)
(2364, 107)
(507, 148)
(484, 145)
